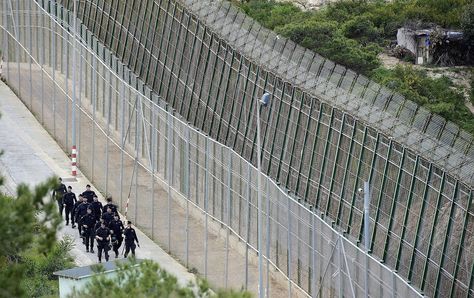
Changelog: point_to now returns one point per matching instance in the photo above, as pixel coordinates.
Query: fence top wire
(388, 112)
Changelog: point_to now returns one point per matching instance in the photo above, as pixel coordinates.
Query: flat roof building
(77, 278)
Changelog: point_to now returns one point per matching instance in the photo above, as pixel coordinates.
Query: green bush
(29, 251)
(271, 14)
(38, 279)
(446, 13)
(467, 24)
(148, 280)
(355, 56)
(325, 38)
(311, 34)
(437, 95)
(362, 29)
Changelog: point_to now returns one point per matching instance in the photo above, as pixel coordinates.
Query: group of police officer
(95, 221)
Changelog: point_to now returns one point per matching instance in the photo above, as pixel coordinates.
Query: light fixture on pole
(366, 192)
(263, 102)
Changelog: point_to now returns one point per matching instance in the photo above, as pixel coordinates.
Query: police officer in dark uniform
(110, 205)
(102, 235)
(58, 194)
(116, 230)
(87, 222)
(108, 217)
(69, 200)
(97, 208)
(81, 210)
(130, 238)
(97, 224)
(74, 211)
(88, 194)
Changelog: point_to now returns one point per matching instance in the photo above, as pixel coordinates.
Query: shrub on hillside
(437, 95)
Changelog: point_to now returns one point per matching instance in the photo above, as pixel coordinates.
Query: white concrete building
(78, 277)
(417, 42)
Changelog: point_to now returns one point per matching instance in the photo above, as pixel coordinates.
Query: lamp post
(263, 102)
(366, 234)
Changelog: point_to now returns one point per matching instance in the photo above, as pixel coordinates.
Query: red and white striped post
(73, 161)
(126, 210)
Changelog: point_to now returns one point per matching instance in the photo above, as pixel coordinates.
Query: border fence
(190, 193)
(326, 131)
(169, 59)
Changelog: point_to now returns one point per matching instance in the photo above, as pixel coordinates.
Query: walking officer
(97, 224)
(58, 194)
(130, 238)
(74, 211)
(81, 210)
(116, 230)
(88, 194)
(102, 235)
(69, 200)
(108, 217)
(110, 205)
(96, 208)
(87, 222)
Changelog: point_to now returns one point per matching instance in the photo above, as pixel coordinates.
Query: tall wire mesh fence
(326, 131)
(323, 77)
(193, 195)
(223, 26)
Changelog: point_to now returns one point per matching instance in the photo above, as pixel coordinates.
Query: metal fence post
(366, 234)
(5, 56)
(152, 161)
(278, 201)
(259, 204)
(79, 97)
(206, 205)
(62, 39)
(66, 79)
(168, 162)
(94, 104)
(42, 62)
(298, 247)
(53, 56)
(248, 222)
(188, 192)
(73, 111)
(313, 286)
(320, 240)
(17, 37)
(30, 47)
(289, 244)
(122, 134)
(137, 150)
(339, 263)
(267, 286)
(107, 131)
(229, 193)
